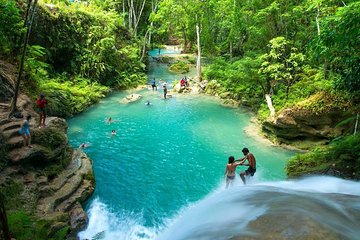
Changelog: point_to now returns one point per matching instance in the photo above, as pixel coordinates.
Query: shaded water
(163, 170)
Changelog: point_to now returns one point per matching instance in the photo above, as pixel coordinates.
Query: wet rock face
(303, 124)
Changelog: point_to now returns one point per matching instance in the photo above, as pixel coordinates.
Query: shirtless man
(251, 163)
(230, 170)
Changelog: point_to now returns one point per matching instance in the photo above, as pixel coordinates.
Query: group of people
(24, 130)
(164, 86)
(232, 164)
(184, 82)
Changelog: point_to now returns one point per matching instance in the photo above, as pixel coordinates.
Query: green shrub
(23, 226)
(10, 26)
(179, 67)
(342, 155)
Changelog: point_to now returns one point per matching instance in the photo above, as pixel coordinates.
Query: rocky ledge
(52, 179)
(303, 128)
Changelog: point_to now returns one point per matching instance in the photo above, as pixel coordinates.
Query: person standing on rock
(251, 163)
(165, 90)
(25, 131)
(41, 102)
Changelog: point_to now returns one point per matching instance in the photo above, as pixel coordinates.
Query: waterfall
(311, 208)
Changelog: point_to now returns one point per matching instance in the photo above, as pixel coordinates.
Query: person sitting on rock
(186, 81)
(182, 83)
(25, 131)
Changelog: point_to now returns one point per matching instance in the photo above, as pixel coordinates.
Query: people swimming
(230, 170)
(83, 145)
(148, 103)
(110, 120)
(251, 163)
(113, 132)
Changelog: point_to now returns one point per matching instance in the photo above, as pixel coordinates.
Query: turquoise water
(164, 157)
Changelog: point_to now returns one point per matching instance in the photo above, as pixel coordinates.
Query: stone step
(7, 125)
(19, 154)
(9, 133)
(68, 203)
(70, 170)
(15, 142)
(76, 197)
(48, 204)
(65, 187)
(5, 105)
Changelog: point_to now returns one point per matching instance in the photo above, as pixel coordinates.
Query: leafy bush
(23, 226)
(179, 67)
(71, 97)
(88, 42)
(10, 26)
(342, 155)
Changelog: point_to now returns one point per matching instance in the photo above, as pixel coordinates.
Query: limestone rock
(78, 218)
(131, 98)
(302, 124)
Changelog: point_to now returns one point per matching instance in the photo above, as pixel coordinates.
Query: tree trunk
(270, 105)
(144, 46)
(198, 62)
(356, 123)
(16, 90)
(317, 19)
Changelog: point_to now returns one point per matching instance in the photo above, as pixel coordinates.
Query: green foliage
(11, 190)
(239, 77)
(70, 97)
(339, 45)
(10, 26)
(179, 67)
(282, 65)
(23, 226)
(89, 42)
(343, 155)
(50, 137)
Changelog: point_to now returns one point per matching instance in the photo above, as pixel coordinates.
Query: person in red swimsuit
(41, 102)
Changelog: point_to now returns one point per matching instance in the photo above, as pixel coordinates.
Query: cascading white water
(311, 208)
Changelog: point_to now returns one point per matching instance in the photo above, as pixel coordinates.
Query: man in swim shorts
(251, 163)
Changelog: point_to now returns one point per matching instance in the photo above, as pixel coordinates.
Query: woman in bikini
(230, 170)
